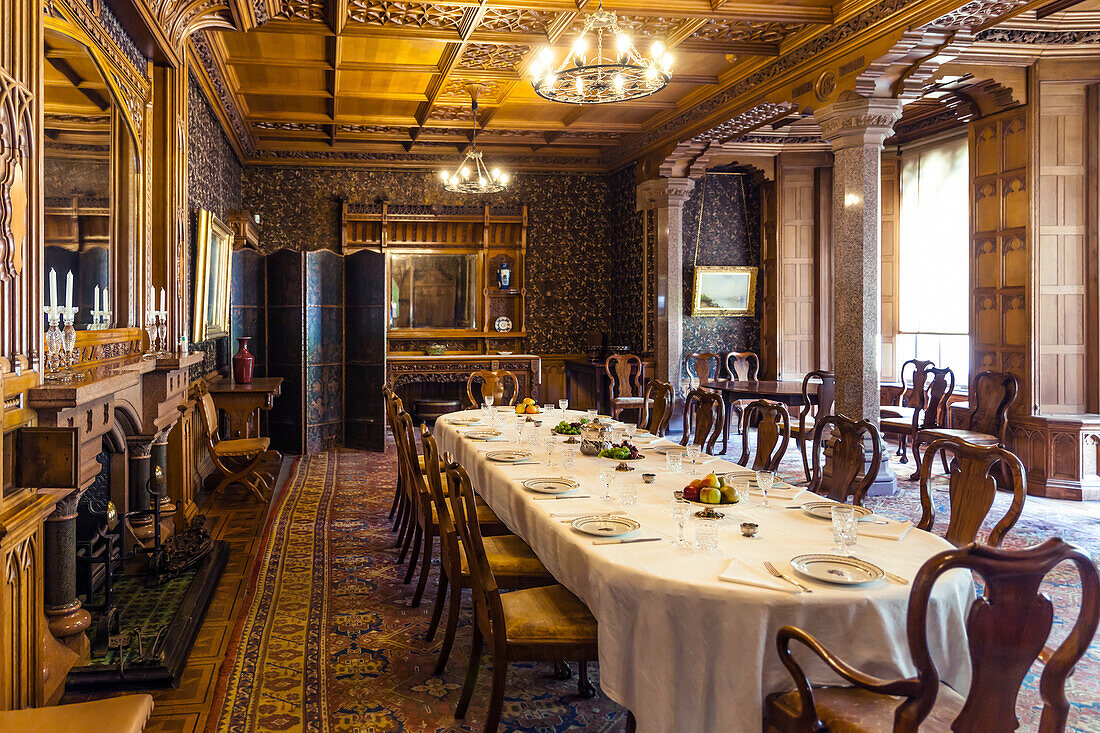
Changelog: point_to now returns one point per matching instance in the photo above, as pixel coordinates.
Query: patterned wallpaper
(214, 184)
(122, 38)
(569, 236)
(627, 271)
(729, 235)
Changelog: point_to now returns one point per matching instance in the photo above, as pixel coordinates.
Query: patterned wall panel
(286, 347)
(248, 311)
(631, 269)
(727, 233)
(65, 177)
(324, 350)
(569, 243)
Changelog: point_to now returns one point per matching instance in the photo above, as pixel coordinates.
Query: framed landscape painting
(724, 291)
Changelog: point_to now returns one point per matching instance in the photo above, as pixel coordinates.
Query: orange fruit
(532, 410)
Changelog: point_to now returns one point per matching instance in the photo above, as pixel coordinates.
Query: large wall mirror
(434, 291)
(82, 125)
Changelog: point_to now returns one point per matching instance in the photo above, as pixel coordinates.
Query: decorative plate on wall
(503, 324)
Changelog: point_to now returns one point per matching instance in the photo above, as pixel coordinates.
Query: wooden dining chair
(912, 391)
(1007, 630)
(397, 506)
(741, 366)
(492, 382)
(991, 396)
(704, 414)
(701, 368)
(239, 461)
(657, 407)
(624, 375)
(974, 473)
(847, 460)
(815, 406)
(928, 413)
(773, 433)
(543, 624)
(514, 563)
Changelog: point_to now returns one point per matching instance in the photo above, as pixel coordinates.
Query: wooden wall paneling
(170, 263)
(823, 297)
(796, 281)
(999, 219)
(890, 239)
(769, 312)
(1060, 246)
(185, 446)
(1092, 247)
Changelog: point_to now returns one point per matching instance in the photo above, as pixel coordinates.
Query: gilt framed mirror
(213, 261)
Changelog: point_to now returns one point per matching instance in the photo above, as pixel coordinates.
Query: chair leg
(916, 459)
(404, 537)
(496, 696)
(562, 671)
(585, 687)
(471, 675)
(902, 441)
(454, 607)
(726, 428)
(397, 493)
(631, 723)
(943, 460)
(417, 536)
(425, 568)
(437, 609)
(805, 459)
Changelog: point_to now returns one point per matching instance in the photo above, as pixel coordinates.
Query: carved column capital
(661, 192)
(139, 448)
(858, 122)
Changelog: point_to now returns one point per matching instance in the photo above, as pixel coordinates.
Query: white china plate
(604, 525)
(550, 485)
(837, 569)
(823, 510)
(484, 434)
(663, 449)
(508, 456)
(463, 420)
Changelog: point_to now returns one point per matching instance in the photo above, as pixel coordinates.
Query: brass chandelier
(472, 175)
(596, 78)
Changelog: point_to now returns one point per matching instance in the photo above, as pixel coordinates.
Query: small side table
(242, 402)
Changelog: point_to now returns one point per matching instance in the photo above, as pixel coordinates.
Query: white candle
(95, 302)
(53, 288)
(106, 301)
(163, 302)
(69, 290)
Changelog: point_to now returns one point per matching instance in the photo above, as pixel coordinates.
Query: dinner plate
(663, 449)
(463, 420)
(508, 456)
(604, 525)
(484, 433)
(837, 569)
(823, 509)
(550, 485)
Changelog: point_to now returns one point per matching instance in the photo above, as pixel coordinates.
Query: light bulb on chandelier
(484, 180)
(599, 78)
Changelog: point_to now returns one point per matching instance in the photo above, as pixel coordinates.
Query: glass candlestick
(151, 329)
(54, 342)
(68, 345)
(162, 331)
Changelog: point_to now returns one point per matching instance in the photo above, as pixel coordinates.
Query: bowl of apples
(710, 491)
(527, 407)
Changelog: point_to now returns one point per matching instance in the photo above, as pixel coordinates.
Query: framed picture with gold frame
(724, 291)
(213, 260)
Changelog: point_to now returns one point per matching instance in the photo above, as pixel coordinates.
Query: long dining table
(681, 648)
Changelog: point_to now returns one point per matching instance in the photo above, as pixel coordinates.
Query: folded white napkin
(782, 491)
(745, 574)
(891, 531)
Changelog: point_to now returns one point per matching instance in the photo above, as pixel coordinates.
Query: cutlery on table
(551, 498)
(896, 578)
(783, 576)
(625, 541)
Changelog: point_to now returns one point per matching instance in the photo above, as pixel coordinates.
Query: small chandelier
(472, 175)
(598, 79)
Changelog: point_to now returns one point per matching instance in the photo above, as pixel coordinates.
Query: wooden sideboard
(415, 376)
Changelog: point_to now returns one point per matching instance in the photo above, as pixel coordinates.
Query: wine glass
(845, 529)
(628, 493)
(693, 453)
(488, 400)
(674, 461)
(765, 479)
(551, 449)
(631, 430)
(680, 510)
(607, 476)
(563, 405)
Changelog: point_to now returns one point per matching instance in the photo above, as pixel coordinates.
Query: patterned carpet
(326, 640)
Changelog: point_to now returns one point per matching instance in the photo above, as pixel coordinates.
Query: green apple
(711, 480)
(729, 495)
(721, 480)
(710, 496)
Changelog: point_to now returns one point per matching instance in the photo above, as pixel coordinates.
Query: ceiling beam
(88, 88)
(470, 20)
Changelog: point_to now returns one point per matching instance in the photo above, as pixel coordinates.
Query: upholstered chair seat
(898, 423)
(420, 462)
(549, 614)
(892, 411)
(970, 436)
(508, 556)
(123, 714)
(241, 447)
(486, 517)
(854, 710)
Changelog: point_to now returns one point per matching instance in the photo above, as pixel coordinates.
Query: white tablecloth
(683, 650)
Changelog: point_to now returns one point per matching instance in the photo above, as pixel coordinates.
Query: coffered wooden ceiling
(391, 77)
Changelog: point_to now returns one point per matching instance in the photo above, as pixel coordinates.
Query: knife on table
(625, 541)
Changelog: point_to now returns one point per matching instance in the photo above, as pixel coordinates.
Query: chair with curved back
(702, 367)
(741, 366)
(773, 433)
(991, 396)
(704, 411)
(542, 624)
(1007, 630)
(929, 412)
(513, 562)
(492, 382)
(624, 375)
(657, 407)
(909, 399)
(972, 486)
(241, 460)
(397, 507)
(815, 406)
(847, 459)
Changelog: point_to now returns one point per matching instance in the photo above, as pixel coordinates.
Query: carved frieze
(745, 31)
(309, 10)
(416, 15)
(639, 26)
(16, 150)
(517, 20)
(493, 57)
(227, 100)
(977, 14)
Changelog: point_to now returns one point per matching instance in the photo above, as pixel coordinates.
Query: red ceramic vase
(244, 362)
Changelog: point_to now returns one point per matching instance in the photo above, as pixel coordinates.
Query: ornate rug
(326, 640)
